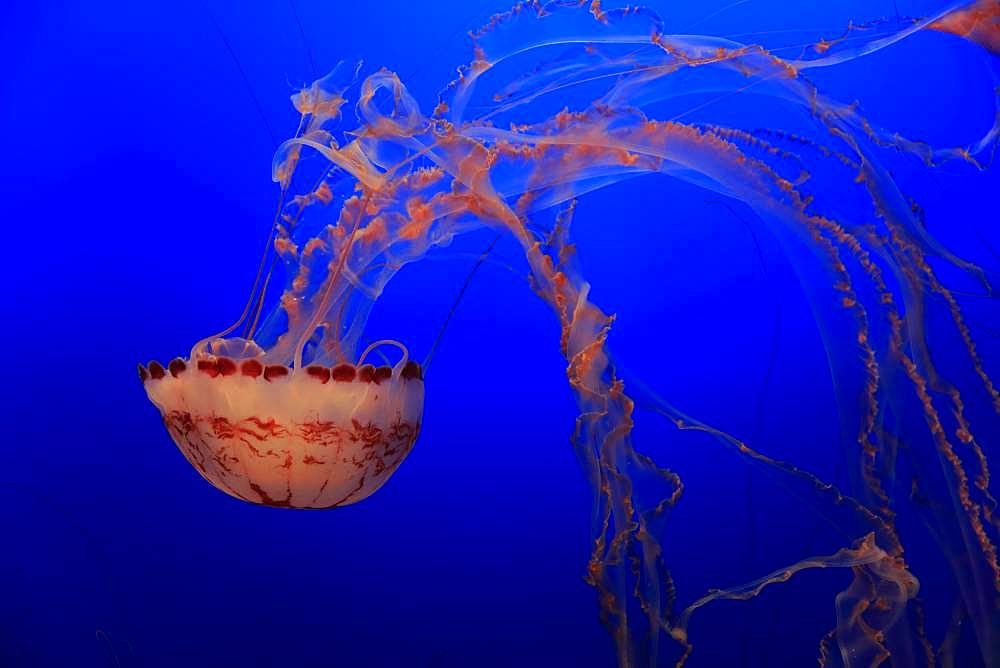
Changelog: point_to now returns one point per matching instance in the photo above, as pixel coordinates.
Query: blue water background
(137, 187)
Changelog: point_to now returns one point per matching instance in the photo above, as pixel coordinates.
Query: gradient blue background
(137, 194)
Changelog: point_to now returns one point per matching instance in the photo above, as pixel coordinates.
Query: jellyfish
(285, 408)
(320, 438)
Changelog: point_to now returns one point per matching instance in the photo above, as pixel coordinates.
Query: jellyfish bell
(312, 437)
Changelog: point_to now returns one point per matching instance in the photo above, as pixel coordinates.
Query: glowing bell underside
(312, 438)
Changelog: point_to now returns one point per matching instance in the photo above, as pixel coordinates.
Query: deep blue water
(138, 194)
